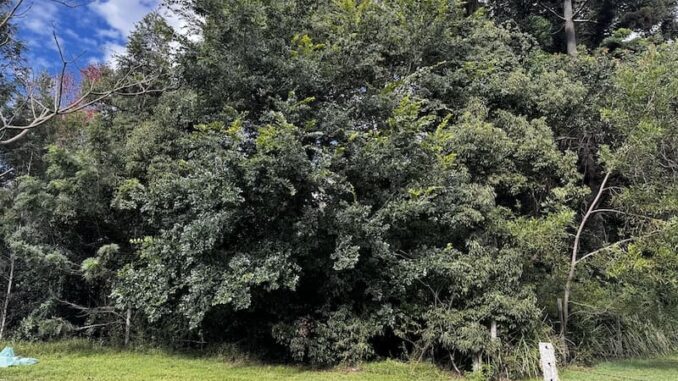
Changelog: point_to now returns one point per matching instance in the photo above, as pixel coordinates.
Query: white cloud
(112, 50)
(40, 63)
(46, 41)
(43, 20)
(182, 22)
(122, 15)
(111, 34)
(88, 41)
(40, 18)
(71, 33)
(73, 36)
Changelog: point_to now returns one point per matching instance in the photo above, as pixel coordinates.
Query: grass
(81, 360)
(659, 369)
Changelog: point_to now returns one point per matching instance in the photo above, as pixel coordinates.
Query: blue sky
(94, 31)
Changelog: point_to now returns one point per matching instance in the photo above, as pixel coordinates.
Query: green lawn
(80, 361)
(661, 369)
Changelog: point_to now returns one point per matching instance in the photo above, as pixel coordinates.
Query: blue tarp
(8, 358)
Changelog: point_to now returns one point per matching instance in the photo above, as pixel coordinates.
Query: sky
(94, 31)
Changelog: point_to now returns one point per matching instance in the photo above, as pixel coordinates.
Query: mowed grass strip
(659, 369)
(80, 361)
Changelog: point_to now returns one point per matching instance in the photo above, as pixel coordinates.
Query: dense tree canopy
(332, 181)
(598, 23)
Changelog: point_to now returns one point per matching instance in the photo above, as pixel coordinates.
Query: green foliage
(597, 22)
(42, 324)
(342, 337)
(335, 181)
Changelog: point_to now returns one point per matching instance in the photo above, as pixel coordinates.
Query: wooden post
(548, 362)
(7, 295)
(128, 324)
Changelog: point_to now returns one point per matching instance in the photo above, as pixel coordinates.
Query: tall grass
(632, 337)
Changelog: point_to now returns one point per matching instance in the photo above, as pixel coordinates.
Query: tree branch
(586, 20)
(551, 10)
(95, 326)
(620, 242)
(11, 13)
(37, 113)
(7, 172)
(581, 8)
(125, 86)
(608, 247)
(107, 310)
(575, 252)
(621, 212)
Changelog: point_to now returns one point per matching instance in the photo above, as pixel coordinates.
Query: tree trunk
(574, 259)
(570, 36)
(561, 318)
(493, 330)
(128, 323)
(477, 362)
(7, 296)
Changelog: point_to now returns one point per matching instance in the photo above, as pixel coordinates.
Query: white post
(548, 362)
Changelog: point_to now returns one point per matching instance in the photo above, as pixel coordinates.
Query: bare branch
(586, 20)
(556, 32)
(95, 326)
(618, 243)
(28, 105)
(8, 38)
(581, 8)
(608, 247)
(7, 172)
(106, 310)
(551, 10)
(62, 74)
(14, 138)
(11, 13)
(621, 212)
(125, 86)
(575, 252)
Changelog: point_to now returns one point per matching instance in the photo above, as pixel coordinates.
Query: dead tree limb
(575, 252)
(29, 112)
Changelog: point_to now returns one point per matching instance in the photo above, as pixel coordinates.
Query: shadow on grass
(72, 348)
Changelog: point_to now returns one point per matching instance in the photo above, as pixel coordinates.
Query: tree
(590, 21)
(28, 106)
(335, 181)
(341, 200)
(644, 157)
(56, 213)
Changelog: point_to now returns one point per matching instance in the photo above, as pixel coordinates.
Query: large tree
(337, 180)
(561, 24)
